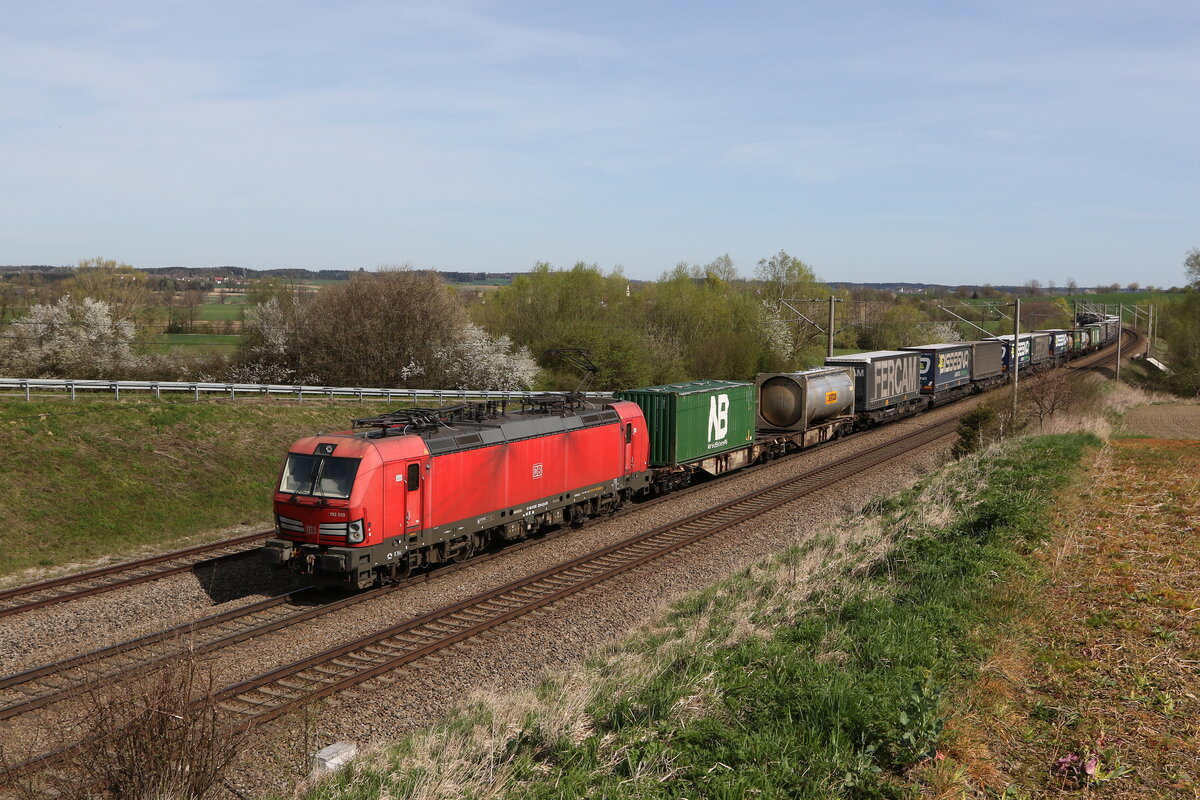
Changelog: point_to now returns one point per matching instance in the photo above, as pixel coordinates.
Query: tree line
(406, 328)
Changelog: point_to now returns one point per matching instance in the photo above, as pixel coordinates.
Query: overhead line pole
(830, 331)
(1016, 354)
(1120, 314)
(829, 352)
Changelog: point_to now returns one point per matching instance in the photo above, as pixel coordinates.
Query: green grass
(219, 312)
(833, 694)
(101, 478)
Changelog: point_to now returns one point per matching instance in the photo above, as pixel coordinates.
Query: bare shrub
(380, 329)
(977, 428)
(156, 737)
(1050, 394)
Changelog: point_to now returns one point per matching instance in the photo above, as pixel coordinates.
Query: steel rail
(234, 630)
(58, 590)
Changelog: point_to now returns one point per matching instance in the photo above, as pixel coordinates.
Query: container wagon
(887, 384)
(705, 425)
(1060, 343)
(945, 370)
(1039, 349)
(1022, 352)
(1079, 341)
(804, 408)
(1112, 329)
(987, 364)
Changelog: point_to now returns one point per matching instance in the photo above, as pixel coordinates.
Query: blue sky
(951, 142)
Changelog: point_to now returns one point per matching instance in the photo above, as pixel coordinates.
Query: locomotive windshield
(318, 476)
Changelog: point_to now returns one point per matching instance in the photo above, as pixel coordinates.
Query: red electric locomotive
(426, 486)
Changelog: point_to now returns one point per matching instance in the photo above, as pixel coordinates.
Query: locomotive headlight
(354, 531)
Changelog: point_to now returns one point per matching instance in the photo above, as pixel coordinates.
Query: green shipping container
(691, 421)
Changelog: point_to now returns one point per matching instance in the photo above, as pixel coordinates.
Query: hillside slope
(100, 478)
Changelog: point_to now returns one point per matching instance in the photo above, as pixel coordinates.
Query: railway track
(65, 679)
(274, 693)
(267, 696)
(117, 576)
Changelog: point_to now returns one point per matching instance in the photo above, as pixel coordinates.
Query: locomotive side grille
(291, 525)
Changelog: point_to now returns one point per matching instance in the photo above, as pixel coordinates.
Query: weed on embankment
(818, 674)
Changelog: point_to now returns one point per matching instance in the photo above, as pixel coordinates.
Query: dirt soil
(1098, 695)
(1165, 421)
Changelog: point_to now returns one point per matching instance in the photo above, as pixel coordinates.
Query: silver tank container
(794, 401)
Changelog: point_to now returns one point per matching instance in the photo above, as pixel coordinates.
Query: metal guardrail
(28, 385)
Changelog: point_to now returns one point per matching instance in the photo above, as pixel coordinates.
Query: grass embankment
(99, 478)
(817, 674)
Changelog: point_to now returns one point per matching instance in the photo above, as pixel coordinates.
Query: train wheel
(400, 571)
(465, 551)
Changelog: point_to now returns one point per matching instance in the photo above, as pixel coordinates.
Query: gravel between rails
(36, 637)
(515, 655)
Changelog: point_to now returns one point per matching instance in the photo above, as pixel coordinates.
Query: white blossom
(479, 361)
(66, 339)
(776, 334)
(938, 333)
(273, 326)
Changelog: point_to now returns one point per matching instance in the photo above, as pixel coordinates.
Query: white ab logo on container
(718, 417)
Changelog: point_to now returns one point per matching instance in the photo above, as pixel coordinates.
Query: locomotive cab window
(414, 477)
(628, 432)
(318, 476)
